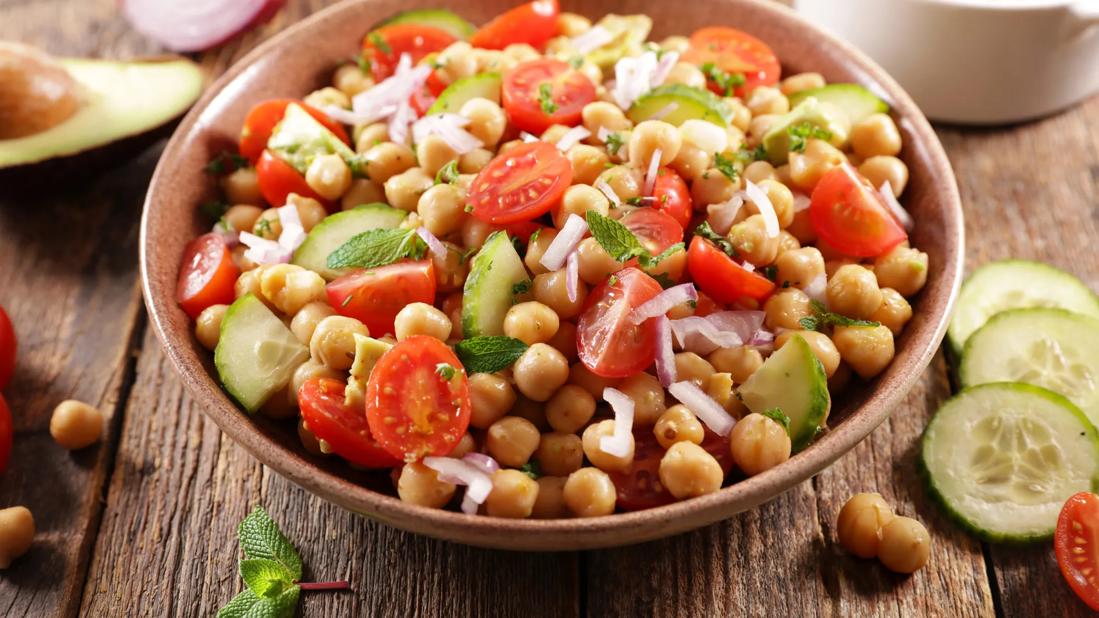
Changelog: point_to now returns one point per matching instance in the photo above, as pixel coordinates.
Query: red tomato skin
(1079, 518)
(721, 278)
(655, 229)
(639, 486)
(606, 342)
(414, 39)
(6, 432)
(278, 179)
(533, 23)
(261, 121)
(500, 194)
(8, 346)
(672, 196)
(848, 214)
(345, 429)
(520, 95)
(207, 275)
(736, 52)
(405, 391)
(375, 296)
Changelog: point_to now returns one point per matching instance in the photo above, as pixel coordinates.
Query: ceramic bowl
(303, 57)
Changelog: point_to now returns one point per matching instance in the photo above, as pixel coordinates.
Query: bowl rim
(575, 533)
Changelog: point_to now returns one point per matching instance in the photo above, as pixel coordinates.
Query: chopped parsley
(545, 98)
(263, 228)
(802, 132)
(726, 166)
(704, 230)
(214, 209)
(778, 416)
(614, 143)
(576, 62)
(532, 469)
(377, 40)
(747, 155)
(224, 163)
(447, 174)
(727, 82)
(521, 288)
(362, 62)
(823, 317)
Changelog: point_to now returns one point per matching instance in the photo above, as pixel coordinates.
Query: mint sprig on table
(621, 244)
(272, 571)
(823, 317)
(379, 247)
(489, 354)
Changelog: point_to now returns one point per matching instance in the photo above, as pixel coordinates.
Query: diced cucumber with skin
(813, 111)
(689, 103)
(490, 287)
(299, 138)
(1051, 348)
(436, 18)
(1002, 459)
(1015, 284)
(336, 229)
(482, 85)
(628, 33)
(256, 353)
(793, 380)
(854, 100)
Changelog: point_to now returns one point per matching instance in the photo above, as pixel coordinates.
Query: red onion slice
(743, 323)
(433, 243)
(527, 137)
(663, 68)
(572, 137)
(608, 192)
(565, 242)
(665, 356)
(763, 204)
(293, 232)
(632, 78)
(801, 202)
(449, 128)
(664, 302)
(196, 25)
(593, 39)
(899, 213)
(263, 251)
(484, 463)
(706, 409)
(699, 335)
(721, 216)
(654, 169)
(618, 443)
(816, 288)
(461, 472)
(572, 276)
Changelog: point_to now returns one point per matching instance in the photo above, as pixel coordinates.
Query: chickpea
(351, 80)
(305, 371)
(648, 397)
(853, 291)
(904, 269)
(894, 311)
(248, 283)
(289, 287)
(403, 190)
(551, 289)
(601, 114)
(513, 495)
(442, 209)
(782, 200)
(433, 153)
(678, 424)
(578, 200)
(875, 135)
(16, 533)
(687, 74)
(474, 232)
(512, 440)
(758, 443)
(759, 126)
(740, 362)
(329, 176)
(593, 262)
(581, 376)
(242, 217)
(310, 211)
(799, 267)
(758, 171)
(474, 161)
(421, 319)
(521, 52)
(387, 160)
(692, 367)
(819, 343)
(466, 444)
(651, 135)
(268, 225)
(806, 168)
(867, 349)
(420, 485)
(491, 396)
(369, 135)
(800, 82)
(570, 409)
(626, 182)
(802, 228)
(905, 545)
(550, 503)
(589, 492)
(881, 169)
(333, 341)
(692, 161)
(554, 133)
(713, 187)
(719, 387)
(362, 191)
(75, 424)
(242, 187)
(531, 322)
(565, 341)
(860, 523)
(688, 470)
(750, 239)
(571, 24)
(450, 270)
(560, 454)
(487, 120)
(457, 61)
(592, 437)
(540, 371)
(740, 114)
(767, 100)
(786, 309)
(306, 319)
(208, 325)
(587, 163)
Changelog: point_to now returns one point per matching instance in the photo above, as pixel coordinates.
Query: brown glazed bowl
(303, 57)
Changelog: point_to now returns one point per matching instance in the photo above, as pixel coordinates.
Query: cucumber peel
(482, 85)
(490, 287)
(793, 380)
(689, 103)
(436, 18)
(855, 101)
(336, 229)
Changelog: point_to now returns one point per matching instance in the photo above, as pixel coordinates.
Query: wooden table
(145, 523)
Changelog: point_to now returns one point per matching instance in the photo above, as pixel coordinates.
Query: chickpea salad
(550, 268)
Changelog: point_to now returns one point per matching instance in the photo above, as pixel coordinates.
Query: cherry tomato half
(383, 47)
(207, 275)
(277, 179)
(532, 23)
(8, 345)
(521, 184)
(723, 279)
(6, 432)
(261, 121)
(608, 343)
(344, 428)
(417, 399)
(540, 93)
(655, 229)
(1076, 542)
(848, 214)
(734, 51)
(671, 196)
(374, 296)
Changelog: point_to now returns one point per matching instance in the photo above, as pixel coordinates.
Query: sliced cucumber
(855, 101)
(793, 380)
(451, 100)
(1015, 284)
(490, 287)
(1051, 348)
(811, 111)
(676, 104)
(627, 32)
(256, 353)
(1002, 458)
(337, 229)
(299, 138)
(436, 18)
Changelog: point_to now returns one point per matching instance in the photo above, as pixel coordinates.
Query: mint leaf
(545, 98)
(810, 323)
(489, 354)
(448, 173)
(649, 261)
(778, 416)
(260, 537)
(214, 209)
(823, 317)
(265, 577)
(616, 239)
(704, 230)
(532, 469)
(374, 248)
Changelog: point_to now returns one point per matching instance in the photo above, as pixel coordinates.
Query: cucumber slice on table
(256, 353)
(490, 287)
(436, 18)
(337, 229)
(676, 104)
(1015, 284)
(451, 100)
(857, 102)
(1051, 348)
(793, 380)
(1002, 458)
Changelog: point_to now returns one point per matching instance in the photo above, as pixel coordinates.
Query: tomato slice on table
(1076, 542)
(374, 296)
(521, 184)
(345, 429)
(540, 93)
(383, 47)
(277, 179)
(851, 216)
(207, 275)
(532, 23)
(671, 196)
(6, 432)
(734, 51)
(417, 406)
(8, 345)
(655, 230)
(721, 278)
(608, 343)
(261, 121)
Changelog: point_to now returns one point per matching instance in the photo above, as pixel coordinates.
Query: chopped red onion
(801, 202)
(386, 98)
(744, 323)
(663, 302)
(633, 77)
(263, 251)
(663, 68)
(563, 244)
(593, 39)
(449, 128)
(572, 137)
(196, 25)
(484, 463)
(763, 204)
(816, 288)
(699, 335)
(607, 191)
(572, 275)
(665, 356)
(721, 216)
(618, 443)
(706, 409)
(899, 213)
(461, 472)
(433, 243)
(705, 135)
(762, 337)
(230, 236)
(748, 266)
(654, 169)
(293, 233)
(398, 125)
(527, 137)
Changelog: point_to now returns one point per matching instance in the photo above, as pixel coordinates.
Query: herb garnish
(823, 317)
(380, 43)
(214, 209)
(447, 174)
(545, 98)
(621, 244)
(726, 166)
(778, 416)
(727, 82)
(532, 469)
(614, 143)
(379, 247)
(489, 354)
(521, 288)
(704, 230)
(802, 132)
(747, 155)
(445, 371)
(224, 163)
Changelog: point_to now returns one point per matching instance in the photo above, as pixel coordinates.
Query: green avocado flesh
(118, 100)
